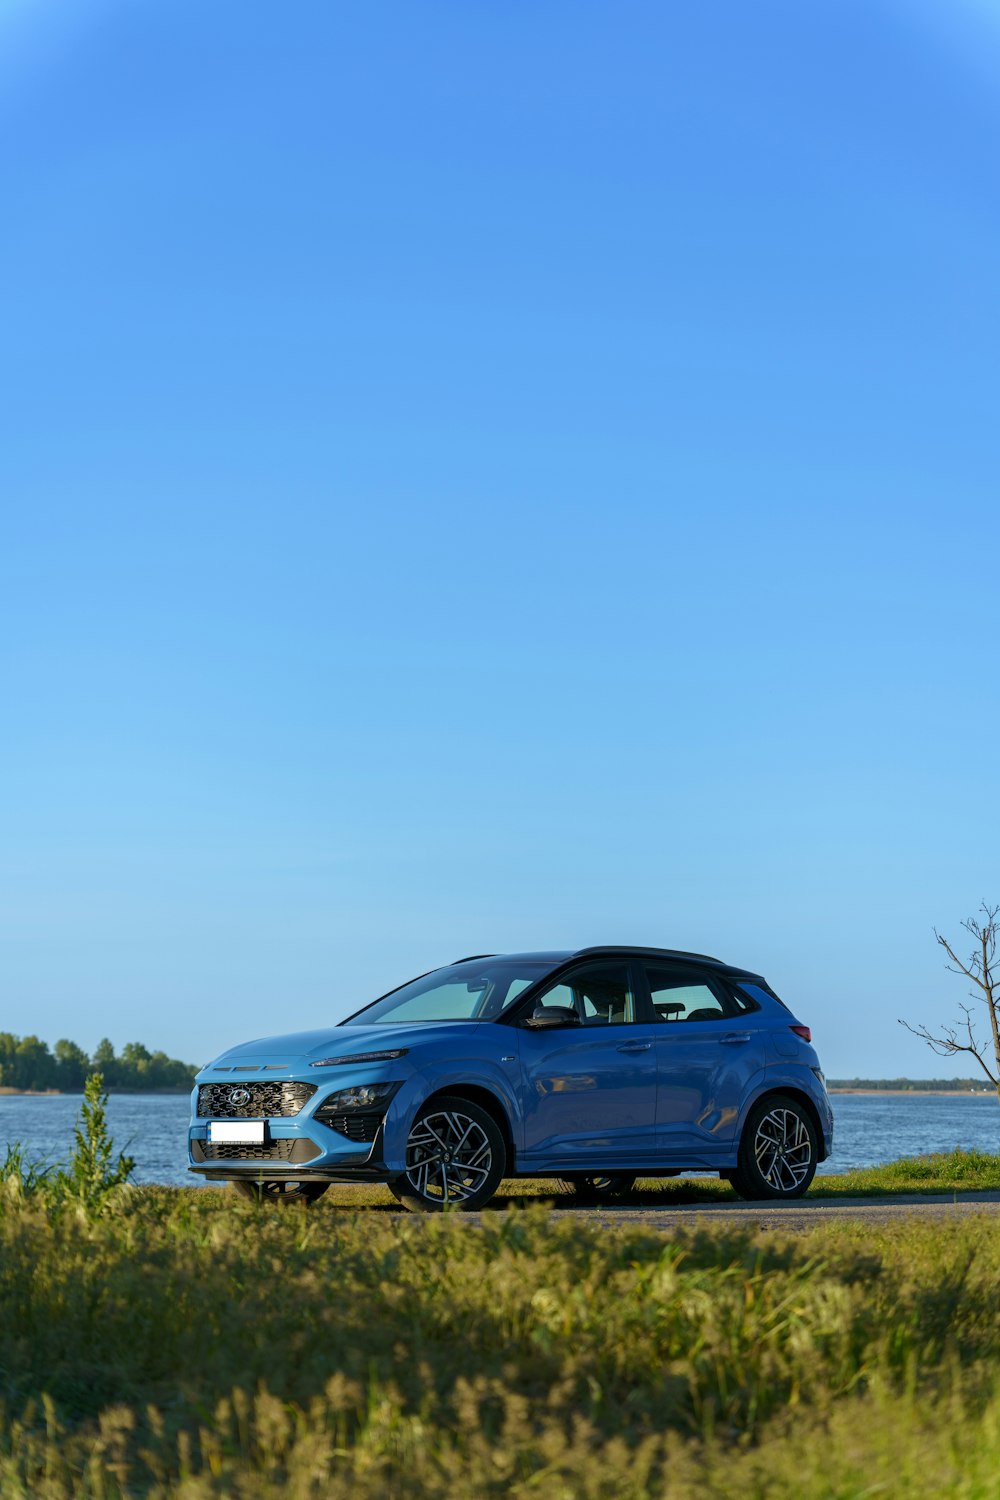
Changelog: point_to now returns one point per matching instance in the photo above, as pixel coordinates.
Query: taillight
(803, 1032)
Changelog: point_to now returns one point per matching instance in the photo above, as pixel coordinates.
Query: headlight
(361, 1096)
(360, 1057)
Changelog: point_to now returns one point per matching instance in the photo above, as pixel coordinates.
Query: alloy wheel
(783, 1150)
(449, 1157)
(285, 1190)
(598, 1189)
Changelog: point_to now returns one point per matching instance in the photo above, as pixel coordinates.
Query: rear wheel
(287, 1191)
(597, 1189)
(455, 1158)
(778, 1155)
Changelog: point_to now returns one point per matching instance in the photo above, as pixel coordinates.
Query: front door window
(600, 995)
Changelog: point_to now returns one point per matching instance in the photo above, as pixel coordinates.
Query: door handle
(635, 1047)
(733, 1038)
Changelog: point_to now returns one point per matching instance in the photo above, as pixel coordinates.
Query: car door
(707, 1054)
(588, 1091)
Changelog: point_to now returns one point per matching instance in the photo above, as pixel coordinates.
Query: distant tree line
(910, 1085)
(27, 1063)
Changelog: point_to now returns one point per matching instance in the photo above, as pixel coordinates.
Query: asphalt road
(798, 1216)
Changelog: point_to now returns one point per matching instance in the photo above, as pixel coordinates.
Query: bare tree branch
(957, 967)
(978, 969)
(948, 1045)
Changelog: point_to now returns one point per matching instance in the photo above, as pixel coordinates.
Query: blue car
(593, 1067)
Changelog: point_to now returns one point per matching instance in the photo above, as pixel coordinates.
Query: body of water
(150, 1127)
(870, 1129)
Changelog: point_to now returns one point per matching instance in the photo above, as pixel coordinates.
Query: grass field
(188, 1344)
(950, 1172)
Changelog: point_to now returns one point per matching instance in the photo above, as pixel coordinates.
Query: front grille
(355, 1127)
(266, 1100)
(285, 1150)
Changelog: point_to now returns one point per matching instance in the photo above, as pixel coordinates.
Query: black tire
(455, 1158)
(597, 1189)
(279, 1191)
(778, 1150)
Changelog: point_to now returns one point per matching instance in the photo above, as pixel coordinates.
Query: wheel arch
(789, 1091)
(486, 1099)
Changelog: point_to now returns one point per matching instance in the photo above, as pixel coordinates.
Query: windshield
(476, 991)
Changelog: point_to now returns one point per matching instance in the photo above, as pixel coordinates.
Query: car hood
(341, 1041)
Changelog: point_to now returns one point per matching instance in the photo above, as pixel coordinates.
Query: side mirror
(544, 1017)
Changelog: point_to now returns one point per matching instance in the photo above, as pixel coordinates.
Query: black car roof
(614, 950)
(701, 958)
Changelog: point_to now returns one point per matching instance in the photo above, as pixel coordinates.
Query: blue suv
(593, 1067)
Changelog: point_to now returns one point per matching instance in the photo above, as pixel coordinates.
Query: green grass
(947, 1172)
(951, 1172)
(189, 1345)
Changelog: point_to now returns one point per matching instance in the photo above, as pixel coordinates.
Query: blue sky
(489, 476)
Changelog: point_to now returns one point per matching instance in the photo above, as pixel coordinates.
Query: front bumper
(277, 1171)
(329, 1167)
(297, 1146)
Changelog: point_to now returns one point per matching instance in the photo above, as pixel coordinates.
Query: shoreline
(10, 1093)
(921, 1093)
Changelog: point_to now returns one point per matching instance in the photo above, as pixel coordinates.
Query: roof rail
(469, 957)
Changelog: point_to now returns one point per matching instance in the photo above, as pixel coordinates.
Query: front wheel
(288, 1191)
(777, 1156)
(455, 1158)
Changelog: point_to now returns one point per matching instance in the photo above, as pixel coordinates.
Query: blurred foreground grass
(188, 1344)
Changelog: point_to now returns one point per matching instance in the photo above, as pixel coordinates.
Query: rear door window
(678, 997)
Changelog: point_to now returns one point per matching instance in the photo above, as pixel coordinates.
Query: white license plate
(237, 1132)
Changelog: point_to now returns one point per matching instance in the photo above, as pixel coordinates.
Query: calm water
(150, 1127)
(153, 1127)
